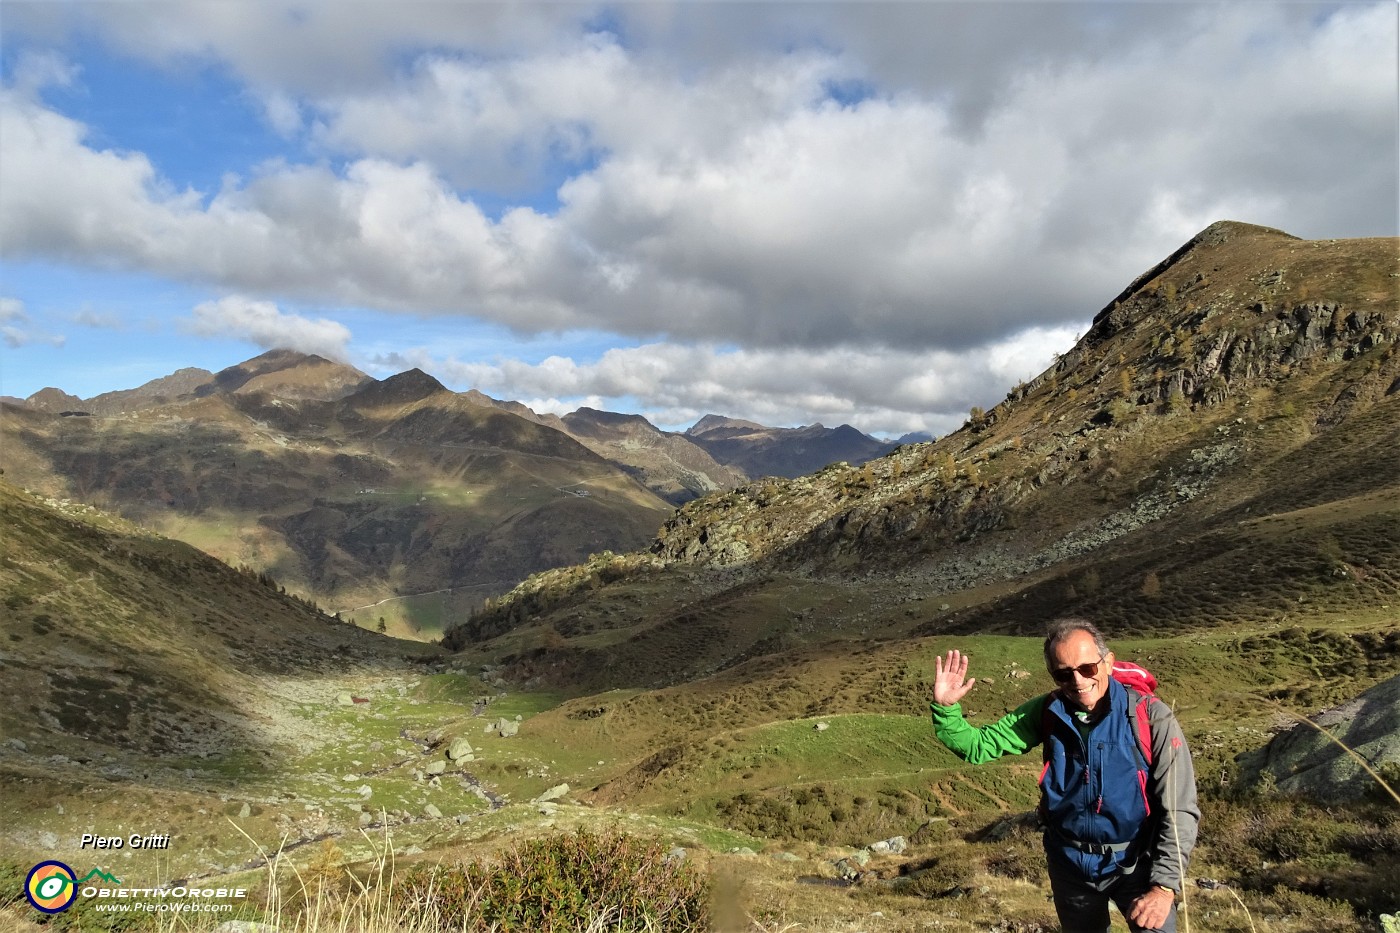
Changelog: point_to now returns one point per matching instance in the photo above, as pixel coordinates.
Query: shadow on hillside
(124, 640)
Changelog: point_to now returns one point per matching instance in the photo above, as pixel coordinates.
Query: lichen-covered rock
(1305, 761)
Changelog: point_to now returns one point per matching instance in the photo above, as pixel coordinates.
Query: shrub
(565, 882)
(12, 876)
(939, 876)
(1023, 862)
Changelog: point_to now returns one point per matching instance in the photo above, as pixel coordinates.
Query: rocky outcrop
(54, 401)
(1322, 758)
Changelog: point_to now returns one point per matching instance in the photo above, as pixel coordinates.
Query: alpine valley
(1211, 473)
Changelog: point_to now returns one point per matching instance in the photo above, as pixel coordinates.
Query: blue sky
(873, 213)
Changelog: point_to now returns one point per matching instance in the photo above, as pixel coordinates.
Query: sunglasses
(1065, 675)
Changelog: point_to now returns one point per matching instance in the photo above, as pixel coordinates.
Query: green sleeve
(1013, 734)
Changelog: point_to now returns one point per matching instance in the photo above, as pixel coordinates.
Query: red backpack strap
(1142, 712)
(1143, 685)
(1141, 716)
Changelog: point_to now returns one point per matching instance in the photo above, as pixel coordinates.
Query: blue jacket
(1094, 796)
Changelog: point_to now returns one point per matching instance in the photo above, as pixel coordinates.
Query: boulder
(460, 748)
(554, 793)
(892, 846)
(435, 767)
(1304, 761)
(504, 727)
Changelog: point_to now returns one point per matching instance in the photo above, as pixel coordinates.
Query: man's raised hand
(951, 684)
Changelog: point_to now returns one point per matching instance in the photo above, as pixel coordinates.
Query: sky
(871, 213)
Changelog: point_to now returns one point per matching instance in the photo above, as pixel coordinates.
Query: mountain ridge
(349, 489)
(1250, 353)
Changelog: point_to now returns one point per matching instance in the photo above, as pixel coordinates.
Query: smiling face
(1076, 651)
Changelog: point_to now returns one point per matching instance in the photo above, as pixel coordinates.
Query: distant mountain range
(715, 453)
(353, 491)
(788, 452)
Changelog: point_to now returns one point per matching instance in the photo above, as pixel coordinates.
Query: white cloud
(283, 113)
(36, 70)
(306, 46)
(734, 205)
(500, 124)
(17, 330)
(262, 323)
(890, 256)
(100, 320)
(886, 391)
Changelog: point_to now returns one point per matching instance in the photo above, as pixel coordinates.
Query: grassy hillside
(164, 692)
(365, 502)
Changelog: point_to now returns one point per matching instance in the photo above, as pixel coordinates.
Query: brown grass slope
(348, 491)
(119, 642)
(1218, 448)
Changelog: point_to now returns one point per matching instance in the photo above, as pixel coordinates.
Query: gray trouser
(1083, 906)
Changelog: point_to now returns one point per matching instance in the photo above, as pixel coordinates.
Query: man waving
(1118, 791)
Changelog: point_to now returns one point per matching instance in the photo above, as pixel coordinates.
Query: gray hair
(1060, 629)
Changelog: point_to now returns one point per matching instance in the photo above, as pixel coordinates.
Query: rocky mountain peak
(720, 422)
(400, 389)
(53, 401)
(287, 374)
